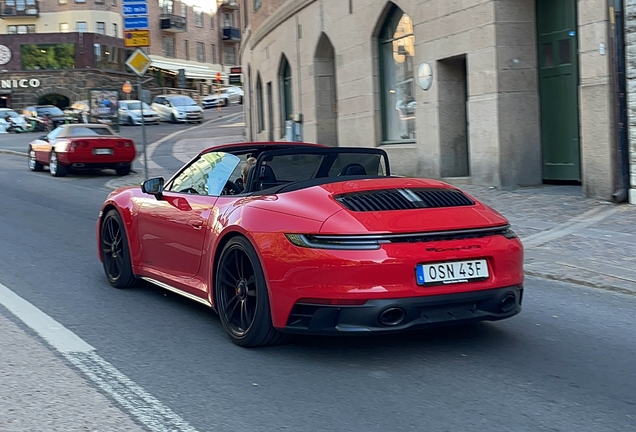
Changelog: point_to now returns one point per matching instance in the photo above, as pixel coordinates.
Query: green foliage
(48, 56)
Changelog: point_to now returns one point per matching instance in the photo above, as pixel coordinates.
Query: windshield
(136, 105)
(207, 175)
(54, 111)
(284, 167)
(182, 101)
(54, 133)
(10, 113)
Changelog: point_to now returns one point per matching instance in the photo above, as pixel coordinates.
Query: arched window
(259, 104)
(285, 83)
(397, 77)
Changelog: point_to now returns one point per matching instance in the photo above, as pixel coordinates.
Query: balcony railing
(227, 4)
(231, 34)
(19, 8)
(173, 23)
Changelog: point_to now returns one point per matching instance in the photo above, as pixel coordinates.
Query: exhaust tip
(392, 316)
(508, 303)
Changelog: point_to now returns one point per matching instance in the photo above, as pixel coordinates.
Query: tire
(130, 121)
(115, 251)
(34, 165)
(55, 168)
(173, 118)
(241, 101)
(243, 306)
(226, 102)
(123, 170)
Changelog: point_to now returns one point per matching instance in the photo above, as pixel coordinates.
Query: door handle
(196, 223)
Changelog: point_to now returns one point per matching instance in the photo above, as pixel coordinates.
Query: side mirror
(153, 186)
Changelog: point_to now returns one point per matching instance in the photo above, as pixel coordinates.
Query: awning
(192, 70)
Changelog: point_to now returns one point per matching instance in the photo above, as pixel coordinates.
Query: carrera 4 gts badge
(471, 247)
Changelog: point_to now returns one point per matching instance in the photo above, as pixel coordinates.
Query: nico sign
(23, 83)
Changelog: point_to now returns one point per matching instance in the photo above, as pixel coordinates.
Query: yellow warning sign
(139, 62)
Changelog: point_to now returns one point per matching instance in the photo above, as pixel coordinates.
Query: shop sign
(23, 83)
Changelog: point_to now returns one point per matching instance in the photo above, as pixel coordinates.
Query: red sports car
(79, 147)
(284, 238)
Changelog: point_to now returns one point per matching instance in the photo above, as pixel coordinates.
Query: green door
(558, 89)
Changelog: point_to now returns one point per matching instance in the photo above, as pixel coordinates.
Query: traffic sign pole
(143, 128)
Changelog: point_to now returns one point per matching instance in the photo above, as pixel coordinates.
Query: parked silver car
(177, 109)
(226, 96)
(130, 113)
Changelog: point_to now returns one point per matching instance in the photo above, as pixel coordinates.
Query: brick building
(81, 43)
(504, 93)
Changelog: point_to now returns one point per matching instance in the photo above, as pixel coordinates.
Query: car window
(136, 105)
(207, 175)
(54, 133)
(373, 164)
(158, 100)
(54, 111)
(89, 131)
(12, 114)
(182, 101)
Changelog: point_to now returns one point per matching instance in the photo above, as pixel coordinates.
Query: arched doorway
(58, 100)
(326, 95)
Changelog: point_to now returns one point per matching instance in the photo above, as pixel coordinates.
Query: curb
(13, 153)
(581, 282)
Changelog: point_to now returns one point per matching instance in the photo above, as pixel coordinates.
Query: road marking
(133, 398)
(584, 220)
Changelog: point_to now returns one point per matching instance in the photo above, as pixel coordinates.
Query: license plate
(451, 272)
(103, 151)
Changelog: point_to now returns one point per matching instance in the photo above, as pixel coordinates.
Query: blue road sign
(132, 1)
(133, 9)
(136, 23)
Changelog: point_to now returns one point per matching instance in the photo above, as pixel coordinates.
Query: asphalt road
(567, 362)
(20, 142)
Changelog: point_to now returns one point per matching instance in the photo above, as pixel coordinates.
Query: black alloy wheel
(115, 251)
(241, 296)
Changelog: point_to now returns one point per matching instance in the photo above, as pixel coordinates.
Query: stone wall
(74, 84)
(630, 42)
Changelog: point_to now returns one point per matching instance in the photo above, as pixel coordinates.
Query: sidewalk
(40, 392)
(566, 237)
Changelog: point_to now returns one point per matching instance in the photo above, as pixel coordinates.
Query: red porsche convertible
(79, 147)
(283, 238)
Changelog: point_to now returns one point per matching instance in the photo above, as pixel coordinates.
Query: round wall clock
(5, 55)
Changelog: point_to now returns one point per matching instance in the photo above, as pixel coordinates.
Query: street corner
(129, 180)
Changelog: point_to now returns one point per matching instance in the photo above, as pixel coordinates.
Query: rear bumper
(395, 315)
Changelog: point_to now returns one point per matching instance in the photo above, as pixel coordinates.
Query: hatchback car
(130, 113)
(177, 109)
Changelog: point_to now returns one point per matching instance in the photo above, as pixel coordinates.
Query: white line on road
(139, 403)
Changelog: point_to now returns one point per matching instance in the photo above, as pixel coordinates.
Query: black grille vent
(403, 199)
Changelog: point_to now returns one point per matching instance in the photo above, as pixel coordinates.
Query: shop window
(285, 83)
(101, 28)
(200, 52)
(168, 47)
(48, 56)
(259, 104)
(397, 76)
(65, 28)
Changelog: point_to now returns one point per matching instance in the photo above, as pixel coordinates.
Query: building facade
(630, 43)
(491, 92)
(71, 46)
